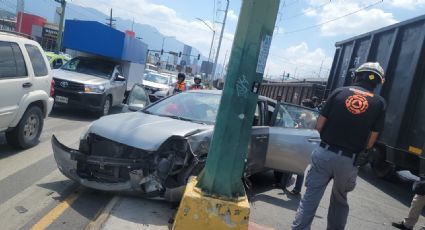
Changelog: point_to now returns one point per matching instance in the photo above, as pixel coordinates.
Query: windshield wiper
(182, 119)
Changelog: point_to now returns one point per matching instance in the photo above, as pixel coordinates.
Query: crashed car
(154, 151)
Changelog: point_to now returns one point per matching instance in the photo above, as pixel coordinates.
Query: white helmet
(373, 67)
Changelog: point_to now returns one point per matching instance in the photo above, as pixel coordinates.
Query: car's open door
(292, 138)
(137, 99)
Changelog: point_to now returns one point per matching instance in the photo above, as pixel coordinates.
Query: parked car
(25, 88)
(155, 150)
(57, 60)
(90, 83)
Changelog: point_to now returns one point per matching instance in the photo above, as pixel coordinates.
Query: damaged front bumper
(67, 160)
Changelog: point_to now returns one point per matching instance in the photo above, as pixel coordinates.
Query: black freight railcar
(400, 49)
(293, 92)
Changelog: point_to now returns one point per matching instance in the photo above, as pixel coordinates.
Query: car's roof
(10, 37)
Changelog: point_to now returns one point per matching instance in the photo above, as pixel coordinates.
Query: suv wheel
(28, 131)
(106, 107)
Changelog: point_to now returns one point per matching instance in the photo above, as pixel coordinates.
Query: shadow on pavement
(79, 114)
(5, 149)
(395, 187)
(264, 182)
(58, 186)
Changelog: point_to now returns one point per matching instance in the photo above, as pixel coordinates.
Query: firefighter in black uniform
(349, 125)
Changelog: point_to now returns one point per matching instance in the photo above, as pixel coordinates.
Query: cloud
(408, 4)
(356, 23)
(166, 20)
(232, 16)
(299, 61)
(310, 12)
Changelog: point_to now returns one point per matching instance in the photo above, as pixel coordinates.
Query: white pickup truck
(95, 84)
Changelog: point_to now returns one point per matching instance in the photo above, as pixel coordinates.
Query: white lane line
(24, 206)
(21, 160)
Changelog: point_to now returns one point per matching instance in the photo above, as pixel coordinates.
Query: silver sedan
(153, 151)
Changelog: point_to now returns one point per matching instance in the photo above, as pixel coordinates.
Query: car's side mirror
(119, 77)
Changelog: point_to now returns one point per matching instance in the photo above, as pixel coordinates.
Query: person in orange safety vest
(181, 84)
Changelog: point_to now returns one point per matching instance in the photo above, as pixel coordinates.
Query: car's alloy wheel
(28, 130)
(31, 128)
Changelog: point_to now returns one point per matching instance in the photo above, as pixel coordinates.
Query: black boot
(400, 225)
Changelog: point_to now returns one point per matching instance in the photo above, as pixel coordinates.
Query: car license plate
(61, 99)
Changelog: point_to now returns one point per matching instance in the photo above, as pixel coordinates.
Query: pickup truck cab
(90, 83)
(25, 89)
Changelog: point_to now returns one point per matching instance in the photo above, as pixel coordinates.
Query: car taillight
(52, 88)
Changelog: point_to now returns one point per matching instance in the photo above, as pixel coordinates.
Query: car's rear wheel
(27, 132)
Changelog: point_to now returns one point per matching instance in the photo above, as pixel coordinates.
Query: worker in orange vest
(181, 84)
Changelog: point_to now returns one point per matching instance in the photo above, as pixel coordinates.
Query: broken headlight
(200, 143)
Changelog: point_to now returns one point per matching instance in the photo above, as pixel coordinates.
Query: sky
(305, 33)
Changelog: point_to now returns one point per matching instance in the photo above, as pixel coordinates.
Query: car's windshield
(156, 78)
(193, 106)
(95, 67)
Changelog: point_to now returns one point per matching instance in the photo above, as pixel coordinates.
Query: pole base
(197, 211)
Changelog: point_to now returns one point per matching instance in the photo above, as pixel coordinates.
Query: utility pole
(217, 200)
(320, 70)
(219, 41)
(61, 21)
(212, 43)
(111, 20)
(20, 7)
(224, 63)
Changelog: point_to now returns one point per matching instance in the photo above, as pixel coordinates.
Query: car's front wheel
(27, 132)
(106, 107)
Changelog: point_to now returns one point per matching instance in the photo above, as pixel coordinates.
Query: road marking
(35, 198)
(55, 213)
(20, 160)
(99, 220)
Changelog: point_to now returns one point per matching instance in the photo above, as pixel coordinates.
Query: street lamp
(212, 42)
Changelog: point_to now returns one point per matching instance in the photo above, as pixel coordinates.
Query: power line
(307, 11)
(335, 19)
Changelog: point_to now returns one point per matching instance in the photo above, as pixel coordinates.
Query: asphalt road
(34, 194)
(32, 190)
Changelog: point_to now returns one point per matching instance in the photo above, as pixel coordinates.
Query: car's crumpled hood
(143, 131)
(78, 77)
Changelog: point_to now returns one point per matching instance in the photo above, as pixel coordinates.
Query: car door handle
(261, 137)
(27, 85)
(314, 139)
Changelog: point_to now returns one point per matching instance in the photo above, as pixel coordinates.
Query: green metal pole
(62, 18)
(226, 158)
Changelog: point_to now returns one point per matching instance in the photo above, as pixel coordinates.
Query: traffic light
(162, 52)
(180, 54)
(199, 56)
